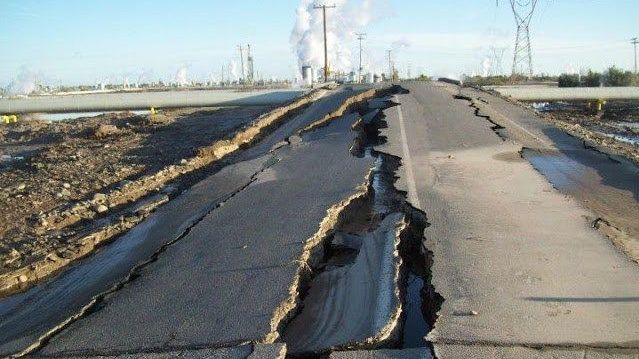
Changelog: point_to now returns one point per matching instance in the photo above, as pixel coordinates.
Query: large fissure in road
(70, 296)
(370, 285)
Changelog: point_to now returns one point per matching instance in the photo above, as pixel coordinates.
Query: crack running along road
(501, 234)
(27, 317)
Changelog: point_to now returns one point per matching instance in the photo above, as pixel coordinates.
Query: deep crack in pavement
(325, 324)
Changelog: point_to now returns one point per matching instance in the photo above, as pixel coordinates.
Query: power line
(324, 7)
(496, 59)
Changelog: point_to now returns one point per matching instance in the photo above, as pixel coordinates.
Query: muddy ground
(615, 127)
(47, 168)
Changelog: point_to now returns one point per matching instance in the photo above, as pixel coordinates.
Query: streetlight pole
(242, 62)
(324, 7)
(390, 65)
(635, 41)
(360, 37)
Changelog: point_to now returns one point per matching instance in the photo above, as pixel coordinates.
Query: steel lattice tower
(522, 61)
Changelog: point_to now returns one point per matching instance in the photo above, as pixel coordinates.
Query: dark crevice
(363, 215)
(495, 127)
(98, 301)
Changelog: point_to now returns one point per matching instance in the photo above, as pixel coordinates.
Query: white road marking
(408, 162)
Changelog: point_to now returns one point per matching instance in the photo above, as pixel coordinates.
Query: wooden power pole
(324, 7)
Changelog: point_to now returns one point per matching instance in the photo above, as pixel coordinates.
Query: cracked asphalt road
(606, 184)
(241, 259)
(522, 272)
(26, 317)
(517, 262)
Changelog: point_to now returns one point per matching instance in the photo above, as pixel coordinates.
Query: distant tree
(423, 77)
(593, 79)
(618, 77)
(544, 77)
(568, 80)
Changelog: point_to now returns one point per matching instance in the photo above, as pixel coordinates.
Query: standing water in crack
(415, 326)
(420, 300)
(366, 228)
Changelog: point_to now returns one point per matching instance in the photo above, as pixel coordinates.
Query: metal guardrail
(145, 100)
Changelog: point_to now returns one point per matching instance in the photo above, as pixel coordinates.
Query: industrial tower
(496, 60)
(522, 60)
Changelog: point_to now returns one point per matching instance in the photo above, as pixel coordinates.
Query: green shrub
(618, 77)
(568, 80)
(593, 79)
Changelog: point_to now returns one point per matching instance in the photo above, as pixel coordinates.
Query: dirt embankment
(615, 128)
(70, 186)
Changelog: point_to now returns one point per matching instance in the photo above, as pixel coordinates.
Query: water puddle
(79, 115)
(415, 326)
(630, 139)
(554, 166)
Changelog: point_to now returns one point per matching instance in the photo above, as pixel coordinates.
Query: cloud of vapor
(181, 76)
(349, 17)
(145, 76)
(486, 66)
(233, 71)
(23, 84)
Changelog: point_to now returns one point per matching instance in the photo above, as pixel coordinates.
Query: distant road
(144, 100)
(544, 93)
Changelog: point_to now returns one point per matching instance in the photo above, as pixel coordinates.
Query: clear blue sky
(85, 41)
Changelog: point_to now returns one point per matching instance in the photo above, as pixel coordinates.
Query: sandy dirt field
(616, 127)
(56, 175)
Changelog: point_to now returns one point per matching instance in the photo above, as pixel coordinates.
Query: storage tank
(368, 78)
(307, 76)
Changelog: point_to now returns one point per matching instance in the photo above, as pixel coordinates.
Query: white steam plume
(181, 76)
(349, 17)
(144, 76)
(24, 84)
(486, 66)
(233, 71)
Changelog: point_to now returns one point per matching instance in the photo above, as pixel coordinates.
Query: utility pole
(324, 7)
(635, 41)
(360, 37)
(242, 61)
(250, 65)
(390, 64)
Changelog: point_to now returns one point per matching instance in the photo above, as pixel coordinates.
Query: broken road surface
(309, 238)
(244, 260)
(517, 262)
(28, 317)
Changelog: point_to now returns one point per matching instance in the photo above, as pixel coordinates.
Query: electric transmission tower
(496, 60)
(522, 60)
